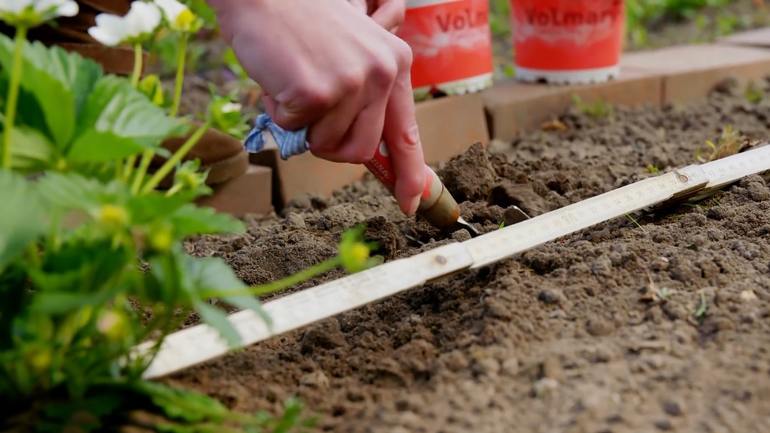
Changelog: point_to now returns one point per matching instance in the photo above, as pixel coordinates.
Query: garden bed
(662, 325)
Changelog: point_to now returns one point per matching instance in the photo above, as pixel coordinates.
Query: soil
(660, 326)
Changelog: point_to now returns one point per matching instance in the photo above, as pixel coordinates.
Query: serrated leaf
(22, 219)
(211, 273)
(155, 205)
(183, 405)
(193, 220)
(217, 319)
(59, 81)
(70, 191)
(118, 121)
(30, 150)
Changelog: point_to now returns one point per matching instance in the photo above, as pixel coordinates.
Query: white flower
(31, 13)
(135, 27)
(179, 16)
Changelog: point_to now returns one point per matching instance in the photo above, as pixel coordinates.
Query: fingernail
(413, 205)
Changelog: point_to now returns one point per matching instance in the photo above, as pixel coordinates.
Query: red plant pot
(567, 41)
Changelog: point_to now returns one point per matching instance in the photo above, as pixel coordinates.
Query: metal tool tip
(465, 224)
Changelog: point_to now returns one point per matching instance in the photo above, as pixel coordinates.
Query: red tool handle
(381, 167)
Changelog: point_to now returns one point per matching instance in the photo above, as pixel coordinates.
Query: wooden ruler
(201, 343)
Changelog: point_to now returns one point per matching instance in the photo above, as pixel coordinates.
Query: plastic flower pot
(451, 44)
(567, 41)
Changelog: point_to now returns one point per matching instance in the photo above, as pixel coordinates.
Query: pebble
(316, 379)
(498, 309)
(551, 297)
(748, 296)
(544, 387)
(602, 267)
(551, 369)
(510, 367)
(461, 235)
(599, 327)
(672, 408)
(663, 425)
(296, 220)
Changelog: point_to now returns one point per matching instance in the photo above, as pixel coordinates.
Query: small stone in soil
(296, 220)
(316, 379)
(672, 408)
(599, 327)
(663, 425)
(550, 297)
(461, 235)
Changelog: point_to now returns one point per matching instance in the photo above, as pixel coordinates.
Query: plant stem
(137, 74)
(13, 94)
(279, 285)
(181, 63)
(175, 159)
(142, 172)
(174, 189)
(129, 169)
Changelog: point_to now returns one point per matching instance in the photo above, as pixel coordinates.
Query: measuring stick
(201, 343)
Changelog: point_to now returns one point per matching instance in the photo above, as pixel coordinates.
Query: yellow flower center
(185, 20)
(113, 216)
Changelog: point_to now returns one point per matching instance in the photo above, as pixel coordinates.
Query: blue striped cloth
(290, 143)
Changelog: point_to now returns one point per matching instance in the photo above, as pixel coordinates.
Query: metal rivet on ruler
(441, 260)
(682, 178)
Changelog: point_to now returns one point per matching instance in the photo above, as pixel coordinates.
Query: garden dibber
(437, 205)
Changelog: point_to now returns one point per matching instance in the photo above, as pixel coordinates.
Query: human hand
(387, 13)
(325, 65)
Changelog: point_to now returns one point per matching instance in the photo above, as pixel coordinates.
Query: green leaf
(183, 405)
(22, 218)
(30, 150)
(210, 273)
(119, 121)
(72, 191)
(193, 220)
(60, 82)
(217, 319)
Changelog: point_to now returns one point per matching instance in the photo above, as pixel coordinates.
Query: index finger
(389, 13)
(402, 136)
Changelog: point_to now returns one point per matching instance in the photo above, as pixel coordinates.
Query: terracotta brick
(250, 193)
(753, 38)
(690, 72)
(514, 107)
(306, 174)
(449, 126)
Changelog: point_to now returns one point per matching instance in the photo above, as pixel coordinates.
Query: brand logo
(461, 19)
(558, 17)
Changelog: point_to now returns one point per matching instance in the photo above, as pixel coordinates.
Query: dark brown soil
(620, 328)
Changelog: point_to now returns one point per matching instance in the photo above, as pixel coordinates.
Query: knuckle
(383, 72)
(311, 97)
(403, 54)
(410, 138)
(351, 81)
(357, 154)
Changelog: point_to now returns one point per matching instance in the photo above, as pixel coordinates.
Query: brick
(305, 174)
(250, 193)
(515, 107)
(753, 38)
(690, 72)
(450, 125)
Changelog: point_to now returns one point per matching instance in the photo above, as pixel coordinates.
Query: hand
(325, 65)
(387, 13)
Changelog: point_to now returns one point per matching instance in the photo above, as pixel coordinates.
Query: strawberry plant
(91, 253)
